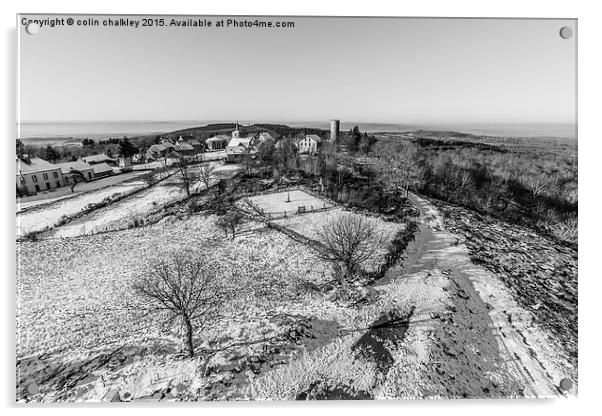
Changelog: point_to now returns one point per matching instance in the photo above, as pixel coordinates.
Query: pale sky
(389, 70)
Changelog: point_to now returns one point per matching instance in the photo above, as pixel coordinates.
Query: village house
(310, 144)
(238, 148)
(196, 145)
(35, 175)
(215, 143)
(101, 158)
(156, 151)
(264, 136)
(72, 144)
(168, 145)
(183, 147)
(125, 163)
(69, 169)
(101, 170)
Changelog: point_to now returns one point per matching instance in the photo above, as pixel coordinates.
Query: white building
(101, 158)
(310, 144)
(264, 137)
(35, 175)
(217, 142)
(238, 148)
(68, 169)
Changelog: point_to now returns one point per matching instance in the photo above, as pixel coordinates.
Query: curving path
(508, 337)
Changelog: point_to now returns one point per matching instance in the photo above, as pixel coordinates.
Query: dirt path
(485, 330)
(441, 327)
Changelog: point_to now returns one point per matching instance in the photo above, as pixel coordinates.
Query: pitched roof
(97, 158)
(314, 136)
(77, 165)
(183, 146)
(156, 148)
(265, 136)
(35, 165)
(194, 142)
(240, 141)
(173, 155)
(73, 144)
(101, 168)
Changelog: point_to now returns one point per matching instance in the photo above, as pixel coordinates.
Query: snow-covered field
(77, 318)
(288, 202)
(120, 215)
(310, 223)
(49, 216)
(75, 298)
(22, 205)
(117, 216)
(65, 192)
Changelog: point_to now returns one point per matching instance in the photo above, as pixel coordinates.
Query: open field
(122, 214)
(82, 334)
(46, 217)
(460, 299)
(310, 224)
(287, 203)
(118, 215)
(65, 192)
(75, 298)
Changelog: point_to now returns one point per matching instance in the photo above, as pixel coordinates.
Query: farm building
(73, 144)
(217, 142)
(239, 148)
(168, 145)
(196, 145)
(184, 148)
(157, 151)
(101, 170)
(68, 170)
(125, 162)
(35, 175)
(102, 158)
(264, 137)
(310, 143)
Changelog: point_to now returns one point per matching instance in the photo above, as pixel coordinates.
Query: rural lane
(480, 304)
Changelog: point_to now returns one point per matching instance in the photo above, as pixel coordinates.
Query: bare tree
(207, 174)
(186, 288)
(398, 164)
(348, 241)
(266, 151)
(465, 180)
(186, 176)
(76, 177)
(230, 222)
(248, 158)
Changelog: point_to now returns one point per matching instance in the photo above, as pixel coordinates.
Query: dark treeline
(537, 189)
(287, 131)
(328, 172)
(58, 154)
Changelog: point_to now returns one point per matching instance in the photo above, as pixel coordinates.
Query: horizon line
(409, 123)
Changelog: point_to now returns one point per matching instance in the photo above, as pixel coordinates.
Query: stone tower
(335, 126)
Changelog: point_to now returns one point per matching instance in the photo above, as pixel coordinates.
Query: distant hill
(202, 133)
(444, 134)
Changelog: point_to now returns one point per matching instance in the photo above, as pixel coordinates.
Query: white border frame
(589, 71)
